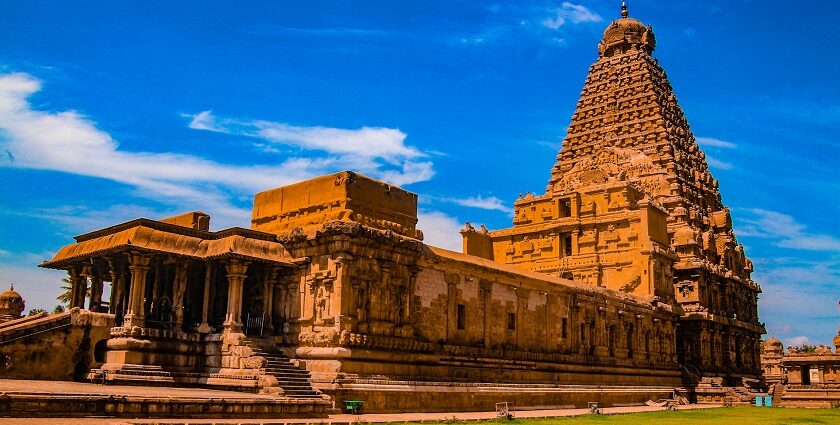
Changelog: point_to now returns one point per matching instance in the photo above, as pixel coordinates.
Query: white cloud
(488, 203)
(379, 151)
(79, 219)
(440, 230)
(569, 12)
(412, 172)
(785, 231)
(67, 141)
(70, 142)
(797, 341)
(716, 143)
(716, 163)
(555, 146)
(789, 302)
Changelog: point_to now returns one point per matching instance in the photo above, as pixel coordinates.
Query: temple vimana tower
(622, 283)
(631, 206)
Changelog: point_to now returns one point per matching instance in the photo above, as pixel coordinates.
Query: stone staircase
(741, 395)
(294, 381)
(714, 390)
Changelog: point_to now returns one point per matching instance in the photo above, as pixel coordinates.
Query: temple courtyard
(68, 394)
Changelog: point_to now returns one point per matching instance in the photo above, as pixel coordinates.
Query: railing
(57, 327)
(254, 325)
(26, 328)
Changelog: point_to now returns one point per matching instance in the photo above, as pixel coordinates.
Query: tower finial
(624, 12)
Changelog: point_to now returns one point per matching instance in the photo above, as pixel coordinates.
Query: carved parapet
(391, 343)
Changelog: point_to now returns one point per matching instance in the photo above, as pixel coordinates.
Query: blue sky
(110, 111)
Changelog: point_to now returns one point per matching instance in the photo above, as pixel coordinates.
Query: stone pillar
(343, 300)
(139, 267)
(452, 281)
(82, 288)
(117, 285)
(77, 285)
(485, 288)
(179, 287)
(126, 293)
(204, 327)
(601, 338)
(236, 274)
(287, 291)
(157, 284)
(96, 287)
(268, 298)
(384, 307)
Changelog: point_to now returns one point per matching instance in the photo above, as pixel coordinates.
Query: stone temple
(623, 282)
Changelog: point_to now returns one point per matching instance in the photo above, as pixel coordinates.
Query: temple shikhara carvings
(623, 282)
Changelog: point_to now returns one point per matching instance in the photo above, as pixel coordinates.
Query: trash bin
(768, 401)
(759, 401)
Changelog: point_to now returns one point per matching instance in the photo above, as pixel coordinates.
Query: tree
(58, 309)
(67, 289)
(35, 311)
(805, 348)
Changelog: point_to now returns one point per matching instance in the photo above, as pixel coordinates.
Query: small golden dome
(625, 34)
(773, 346)
(773, 342)
(11, 303)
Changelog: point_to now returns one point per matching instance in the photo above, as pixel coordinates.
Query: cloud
(440, 229)
(797, 341)
(716, 143)
(789, 302)
(67, 141)
(569, 12)
(82, 219)
(488, 203)
(555, 146)
(799, 289)
(368, 149)
(716, 163)
(785, 231)
(524, 24)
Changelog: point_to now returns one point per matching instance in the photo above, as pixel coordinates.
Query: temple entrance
(806, 375)
(254, 311)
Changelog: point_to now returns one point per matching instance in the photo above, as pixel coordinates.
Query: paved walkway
(76, 388)
(372, 418)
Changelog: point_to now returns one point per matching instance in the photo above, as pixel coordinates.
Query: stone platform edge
(45, 405)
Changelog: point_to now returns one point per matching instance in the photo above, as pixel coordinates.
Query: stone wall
(59, 347)
(372, 313)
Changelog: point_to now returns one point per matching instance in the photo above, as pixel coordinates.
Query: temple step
(294, 381)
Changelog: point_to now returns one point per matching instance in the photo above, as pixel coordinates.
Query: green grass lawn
(728, 415)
